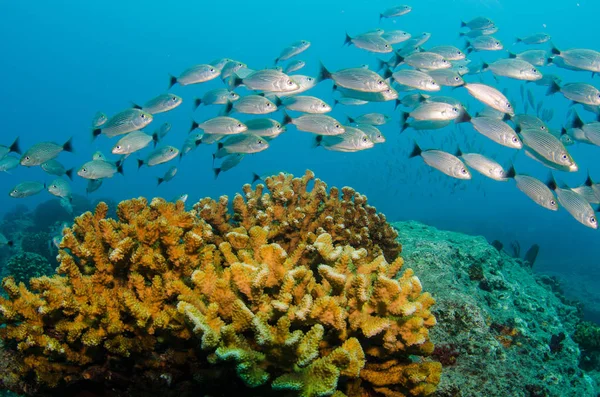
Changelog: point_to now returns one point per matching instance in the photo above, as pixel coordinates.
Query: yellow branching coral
(297, 292)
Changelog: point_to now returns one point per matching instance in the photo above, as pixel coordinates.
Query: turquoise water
(64, 61)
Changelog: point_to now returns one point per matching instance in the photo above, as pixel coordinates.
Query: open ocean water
(63, 61)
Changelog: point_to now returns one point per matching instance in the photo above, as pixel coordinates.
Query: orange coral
(292, 291)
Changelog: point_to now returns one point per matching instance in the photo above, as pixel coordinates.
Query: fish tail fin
(334, 88)
(462, 24)
(135, 105)
(458, 152)
(277, 101)
(219, 146)
(551, 182)
(335, 102)
(159, 180)
(68, 145)
(318, 140)
(172, 81)
(403, 123)
(387, 73)
(506, 117)
(553, 89)
(381, 64)
(324, 74)
(588, 181)
(69, 173)
(518, 40)
(348, 40)
(140, 163)
(197, 102)
(255, 177)
(461, 34)
(155, 138)
(465, 117)
(397, 103)
(380, 17)
(416, 151)
(120, 166)
(484, 66)
(511, 173)
(398, 59)
(286, 119)
(217, 171)
(469, 49)
(576, 122)
(193, 126)
(550, 60)
(350, 119)
(96, 132)
(518, 129)
(512, 55)
(10, 243)
(228, 109)
(14, 147)
(563, 131)
(235, 81)
(554, 50)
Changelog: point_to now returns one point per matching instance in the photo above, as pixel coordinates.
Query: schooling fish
(536, 190)
(265, 127)
(370, 118)
(513, 68)
(195, 74)
(93, 185)
(218, 96)
(352, 140)
(26, 189)
(534, 57)
(8, 163)
(442, 161)
(491, 97)
(221, 125)
(537, 38)
(396, 36)
(99, 169)
(294, 49)
(577, 92)
(132, 142)
(396, 11)
(54, 167)
(269, 80)
(486, 166)
(575, 204)
(160, 104)
(159, 156)
(244, 143)
(357, 79)
(294, 66)
(306, 104)
(60, 188)
(44, 151)
(14, 147)
(99, 119)
(498, 131)
(371, 42)
(170, 174)
(316, 123)
(228, 163)
(416, 79)
(124, 122)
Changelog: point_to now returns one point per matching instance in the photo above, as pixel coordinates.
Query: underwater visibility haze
(490, 127)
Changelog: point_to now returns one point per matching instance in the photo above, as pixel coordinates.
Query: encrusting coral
(298, 292)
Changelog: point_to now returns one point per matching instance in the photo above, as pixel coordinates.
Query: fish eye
(457, 78)
(534, 71)
(309, 79)
(211, 70)
(27, 157)
(84, 169)
(240, 125)
(174, 98)
(268, 104)
(458, 53)
(260, 142)
(171, 150)
(455, 109)
(444, 61)
(552, 203)
(118, 147)
(380, 82)
(387, 46)
(515, 139)
(463, 171)
(592, 219)
(337, 126)
(143, 115)
(290, 82)
(543, 128)
(564, 156)
(508, 105)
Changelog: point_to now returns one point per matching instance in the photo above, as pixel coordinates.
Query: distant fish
(396, 11)
(306, 104)
(396, 36)
(195, 74)
(498, 245)
(14, 147)
(228, 163)
(243, 143)
(54, 167)
(294, 49)
(182, 197)
(99, 169)
(478, 23)
(294, 66)
(123, 122)
(316, 123)
(438, 111)
(531, 254)
(371, 42)
(485, 43)
(8, 163)
(160, 104)
(575, 204)
(161, 132)
(449, 52)
(159, 156)
(99, 120)
(192, 142)
(376, 119)
(60, 188)
(218, 96)
(352, 140)
(537, 38)
(5, 241)
(442, 161)
(44, 151)
(26, 189)
(170, 174)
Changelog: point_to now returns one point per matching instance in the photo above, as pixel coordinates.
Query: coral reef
(26, 265)
(504, 329)
(297, 292)
(38, 243)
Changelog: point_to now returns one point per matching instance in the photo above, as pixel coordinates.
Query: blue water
(63, 61)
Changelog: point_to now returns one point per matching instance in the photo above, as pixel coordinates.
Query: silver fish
(218, 96)
(221, 125)
(485, 43)
(170, 174)
(416, 79)
(587, 193)
(577, 92)
(44, 151)
(436, 111)
(387, 95)
(485, 166)
(160, 104)
(491, 97)
(14, 147)
(98, 169)
(26, 189)
(426, 60)
(99, 119)
(576, 205)
(251, 104)
(316, 123)
(306, 104)
(349, 101)
(582, 59)
(534, 57)
(54, 167)
(498, 131)
(132, 142)
(537, 191)
(192, 142)
(8, 163)
(195, 74)
(357, 79)
(60, 188)
(479, 32)
(228, 163)
(514, 68)
(352, 140)
(294, 66)
(396, 11)
(447, 77)
(220, 63)
(161, 132)
(245, 143)
(230, 68)
(266, 80)
(424, 125)
(478, 23)
(372, 132)
(267, 128)
(537, 38)
(99, 156)
(549, 147)
(396, 36)
(371, 42)
(449, 52)
(124, 122)
(370, 118)
(442, 161)
(528, 122)
(296, 48)
(159, 156)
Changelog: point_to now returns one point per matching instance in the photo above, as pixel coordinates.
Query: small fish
(160, 104)
(44, 151)
(228, 163)
(412, 100)
(442, 161)
(230, 68)
(582, 59)
(245, 143)
(161, 132)
(54, 167)
(478, 23)
(26, 189)
(387, 95)
(396, 11)
(577, 92)
(252, 104)
(498, 131)
(447, 77)
(416, 79)
(220, 63)
(170, 174)
(306, 104)
(396, 36)
(195, 74)
(316, 123)
(370, 118)
(528, 122)
(266, 80)
(294, 49)
(352, 140)
(192, 142)
(182, 197)
(513, 68)
(534, 57)
(587, 193)
(159, 156)
(99, 120)
(98, 155)
(590, 132)
(372, 132)
(221, 125)
(492, 113)
(424, 125)
(124, 122)
(575, 204)
(357, 79)
(132, 142)
(490, 96)
(371, 42)
(414, 43)
(294, 66)
(60, 188)
(14, 147)
(8, 163)
(479, 32)
(5, 241)
(536, 190)
(98, 169)
(439, 111)
(537, 38)
(267, 128)
(65, 202)
(349, 101)
(485, 43)
(486, 166)
(449, 52)
(218, 96)
(426, 61)
(548, 147)
(93, 185)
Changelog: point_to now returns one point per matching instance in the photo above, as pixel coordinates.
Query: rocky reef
(502, 330)
(297, 291)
